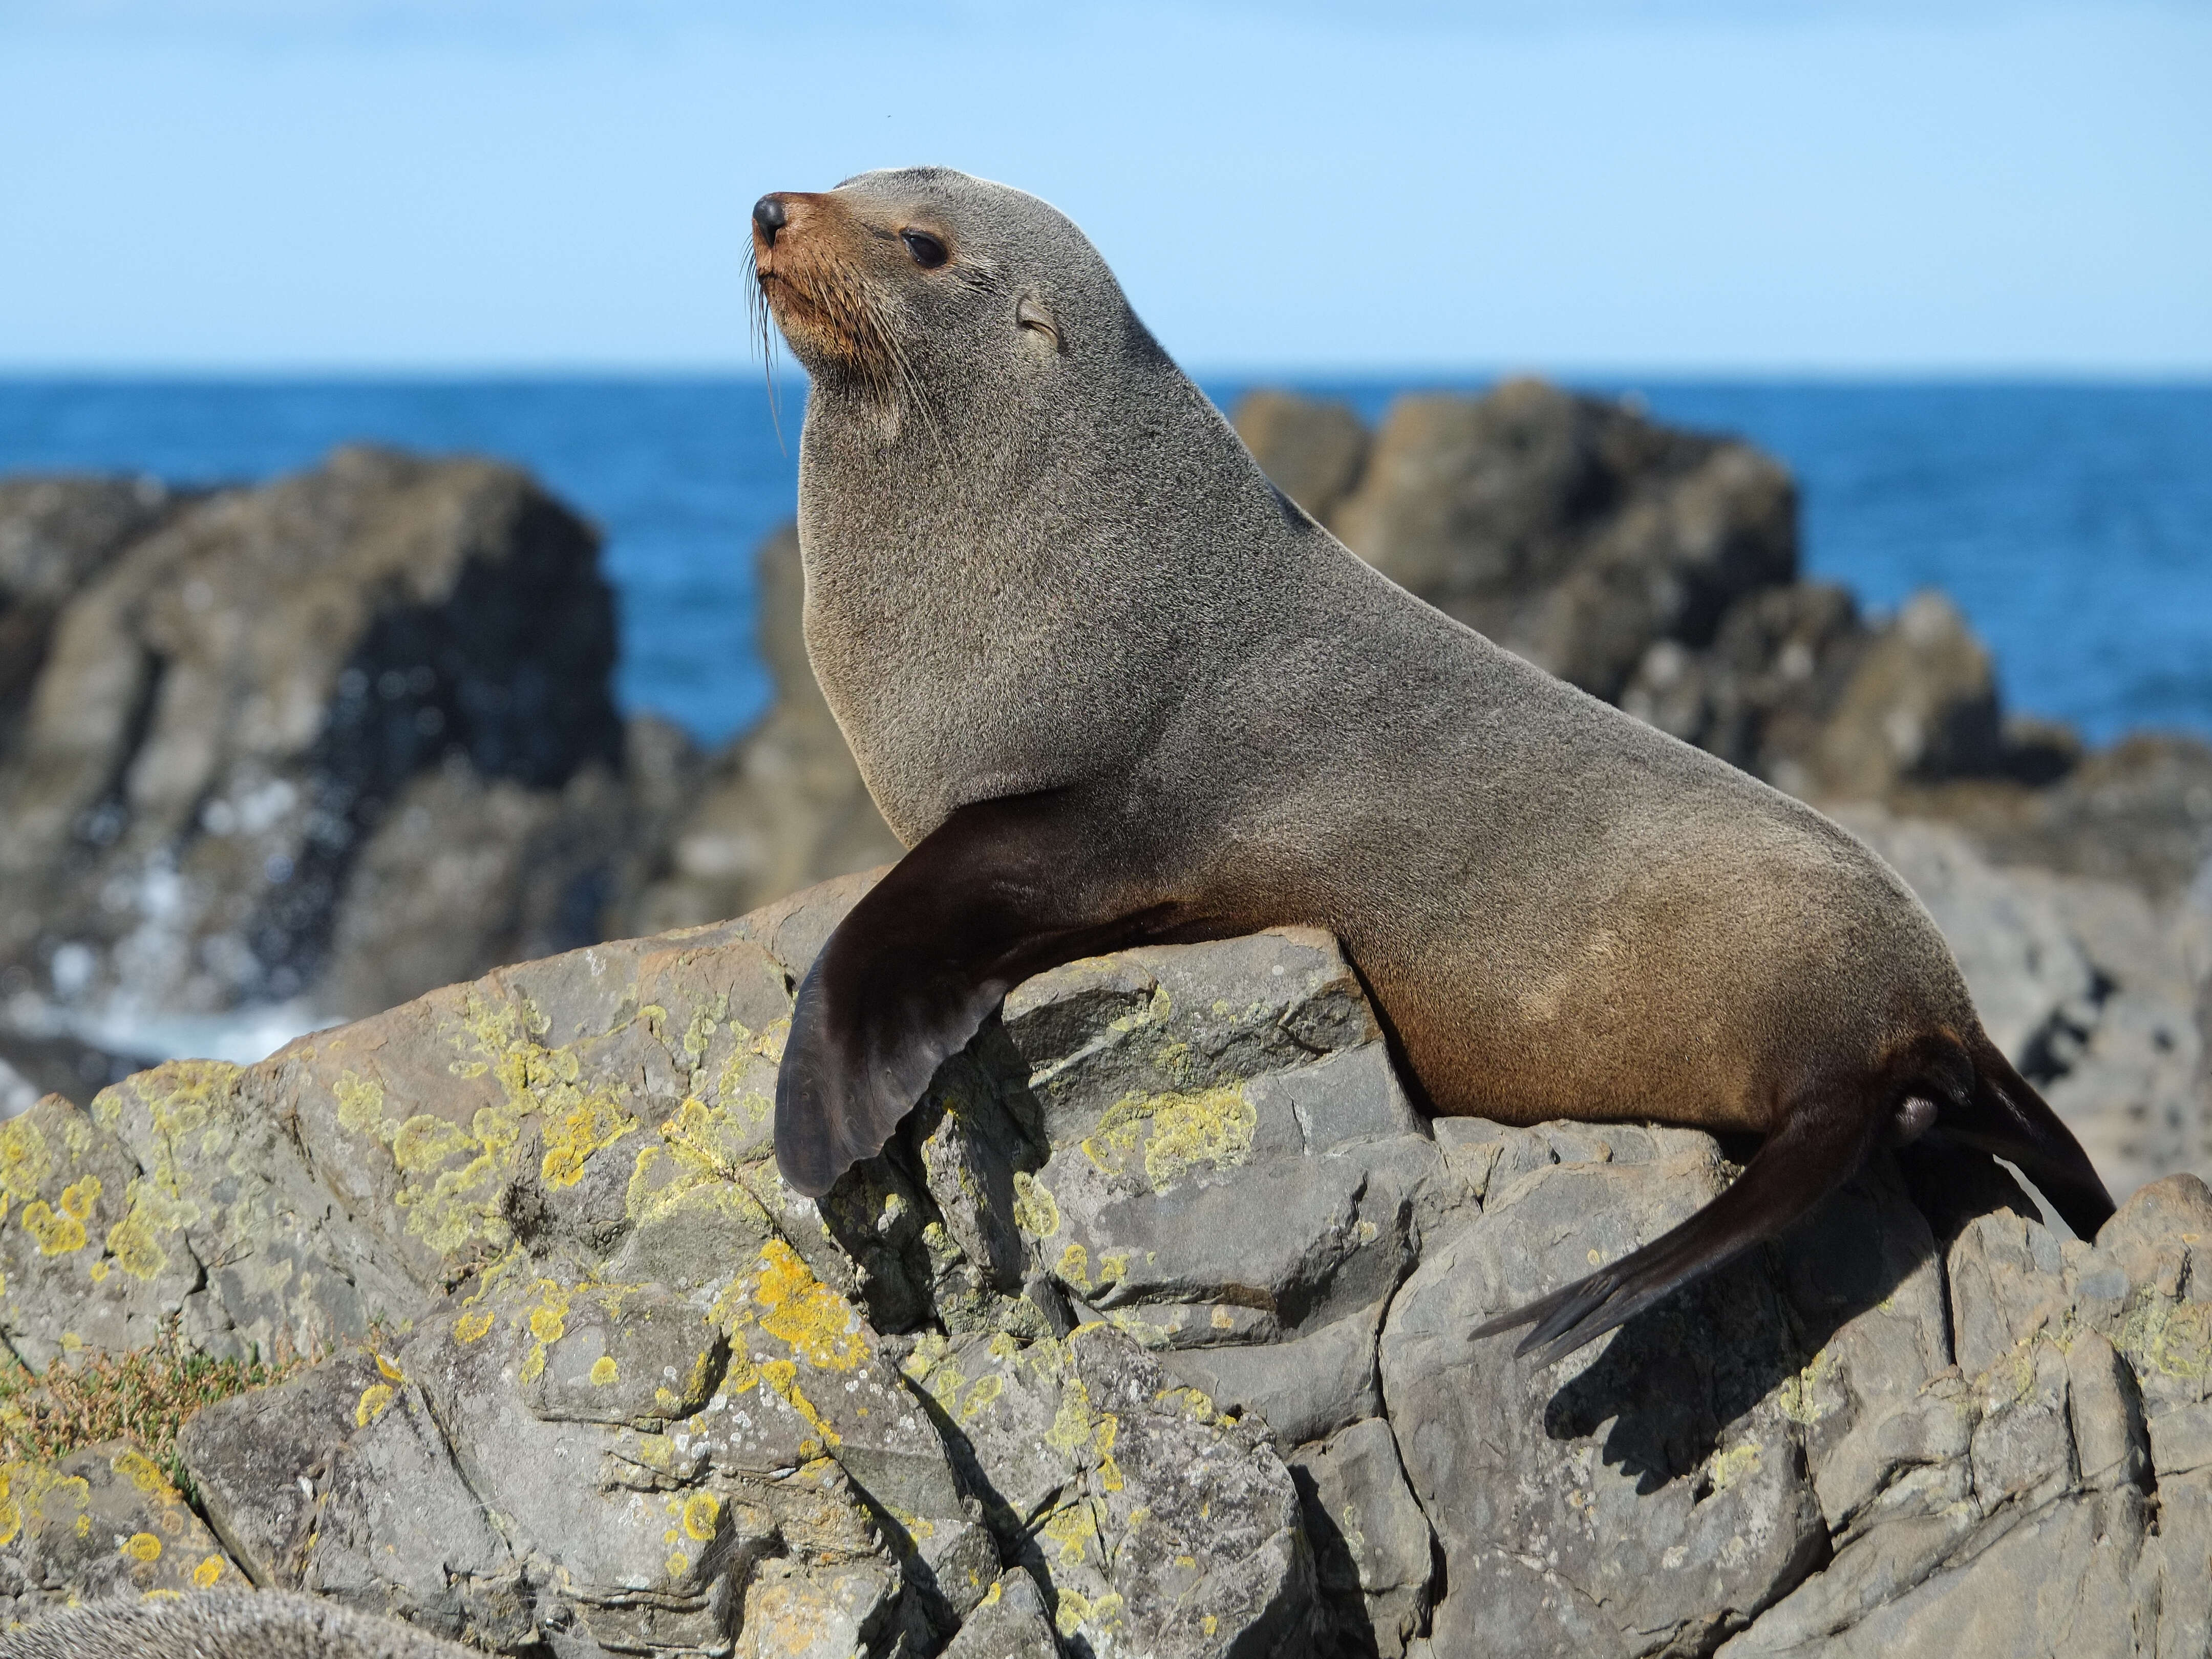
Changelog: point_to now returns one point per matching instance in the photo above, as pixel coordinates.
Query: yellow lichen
(152, 1207)
(1073, 1528)
(471, 1327)
(980, 1393)
(79, 1197)
(1035, 1210)
(1728, 1468)
(140, 1470)
(370, 1406)
(1109, 1472)
(56, 1234)
(424, 1143)
(205, 1575)
(605, 1372)
(1214, 1127)
(703, 1511)
(571, 1138)
(1071, 1423)
(1075, 1266)
(360, 1104)
(25, 1160)
(799, 1310)
(142, 1546)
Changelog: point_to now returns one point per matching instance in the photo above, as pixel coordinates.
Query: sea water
(2072, 522)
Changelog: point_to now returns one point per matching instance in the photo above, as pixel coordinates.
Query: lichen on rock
(1145, 1336)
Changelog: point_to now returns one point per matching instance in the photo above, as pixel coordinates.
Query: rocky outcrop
(1147, 1336)
(57, 536)
(1570, 530)
(249, 714)
(1658, 569)
(334, 742)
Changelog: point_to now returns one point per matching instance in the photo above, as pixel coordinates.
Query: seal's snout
(768, 215)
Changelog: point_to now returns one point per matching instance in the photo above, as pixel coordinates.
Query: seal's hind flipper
(1001, 889)
(1813, 1153)
(2005, 1116)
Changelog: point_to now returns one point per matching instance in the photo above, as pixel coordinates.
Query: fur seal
(1111, 687)
(222, 1625)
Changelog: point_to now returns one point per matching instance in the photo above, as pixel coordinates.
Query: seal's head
(924, 284)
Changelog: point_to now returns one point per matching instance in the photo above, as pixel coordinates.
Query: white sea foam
(242, 1035)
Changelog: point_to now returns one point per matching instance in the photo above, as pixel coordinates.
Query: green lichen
(1172, 1135)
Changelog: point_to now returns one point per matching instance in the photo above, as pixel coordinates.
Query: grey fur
(222, 1625)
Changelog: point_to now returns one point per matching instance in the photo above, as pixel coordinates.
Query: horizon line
(2177, 377)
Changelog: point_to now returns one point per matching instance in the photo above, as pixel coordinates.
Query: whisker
(762, 331)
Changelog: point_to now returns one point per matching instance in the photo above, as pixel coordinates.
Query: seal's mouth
(808, 280)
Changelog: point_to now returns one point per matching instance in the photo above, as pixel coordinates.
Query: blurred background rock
(271, 757)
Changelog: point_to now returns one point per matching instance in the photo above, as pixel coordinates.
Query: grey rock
(1161, 1299)
(1371, 1542)
(1011, 1623)
(1572, 530)
(103, 1520)
(57, 536)
(1647, 1491)
(254, 1461)
(1921, 704)
(228, 704)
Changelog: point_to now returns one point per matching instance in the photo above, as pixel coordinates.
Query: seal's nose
(769, 215)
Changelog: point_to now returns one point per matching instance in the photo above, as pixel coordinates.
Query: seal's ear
(1030, 312)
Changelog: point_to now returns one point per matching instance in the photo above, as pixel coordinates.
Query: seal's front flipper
(1812, 1154)
(1001, 889)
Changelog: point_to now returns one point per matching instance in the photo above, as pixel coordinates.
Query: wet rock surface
(1147, 1335)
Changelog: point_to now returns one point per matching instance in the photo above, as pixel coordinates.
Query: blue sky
(466, 185)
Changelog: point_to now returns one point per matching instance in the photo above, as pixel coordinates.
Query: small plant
(146, 1395)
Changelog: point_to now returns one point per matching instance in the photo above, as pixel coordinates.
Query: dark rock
(1572, 530)
(233, 702)
(1371, 1541)
(1011, 1623)
(56, 535)
(1921, 704)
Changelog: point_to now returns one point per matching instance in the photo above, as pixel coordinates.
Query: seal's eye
(928, 252)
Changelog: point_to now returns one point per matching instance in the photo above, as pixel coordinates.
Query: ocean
(2072, 522)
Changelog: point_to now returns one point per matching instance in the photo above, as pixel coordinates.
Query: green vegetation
(146, 1397)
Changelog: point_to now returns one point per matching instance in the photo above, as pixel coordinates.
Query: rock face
(1570, 530)
(1146, 1336)
(334, 742)
(239, 702)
